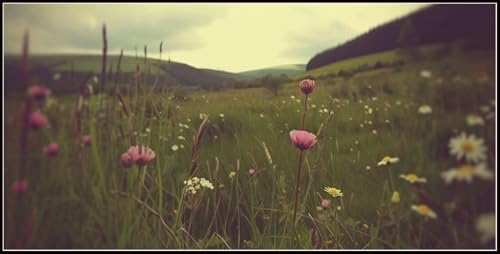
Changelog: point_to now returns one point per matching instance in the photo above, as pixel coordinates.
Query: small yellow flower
(412, 178)
(395, 197)
(334, 192)
(388, 159)
(424, 210)
(232, 174)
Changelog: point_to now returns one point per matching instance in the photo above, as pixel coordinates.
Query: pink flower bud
(307, 86)
(252, 172)
(141, 155)
(325, 203)
(38, 92)
(86, 140)
(51, 150)
(37, 120)
(20, 187)
(303, 139)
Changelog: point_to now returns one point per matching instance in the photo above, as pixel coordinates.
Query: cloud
(55, 28)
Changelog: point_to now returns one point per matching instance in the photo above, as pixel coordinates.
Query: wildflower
(424, 210)
(425, 74)
(86, 140)
(182, 146)
(51, 149)
(20, 187)
(368, 168)
(232, 174)
(126, 160)
(388, 159)
(181, 137)
(485, 225)
(307, 86)
(203, 116)
(221, 115)
(484, 108)
(194, 184)
(148, 130)
(37, 120)
(56, 76)
(38, 92)
(467, 172)
(425, 109)
(325, 203)
(252, 172)
(334, 192)
(261, 115)
(395, 197)
(469, 147)
(303, 139)
(141, 155)
(175, 148)
(473, 120)
(412, 178)
(292, 97)
(374, 132)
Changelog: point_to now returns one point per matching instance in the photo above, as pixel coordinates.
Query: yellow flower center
(468, 147)
(333, 191)
(465, 170)
(423, 209)
(412, 177)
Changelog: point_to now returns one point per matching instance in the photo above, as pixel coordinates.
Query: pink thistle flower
(252, 172)
(51, 149)
(307, 86)
(86, 140)
(38, 92)
(325, 203)
(20, 187)
(303, 139)
(37, 120)
(126, 160)
(141, 155)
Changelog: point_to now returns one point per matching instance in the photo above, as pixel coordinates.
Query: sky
(231, 37)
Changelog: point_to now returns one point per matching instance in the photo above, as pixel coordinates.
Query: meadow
(85, 195)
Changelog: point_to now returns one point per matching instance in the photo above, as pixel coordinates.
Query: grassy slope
(252, 116)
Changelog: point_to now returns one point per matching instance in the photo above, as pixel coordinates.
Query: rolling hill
(289, 70)
(472, 24)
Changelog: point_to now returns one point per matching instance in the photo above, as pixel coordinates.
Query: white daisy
(467, 172)
(485, 225)
(175, 148)
(469, 147)
(425, 109)
(473, 120)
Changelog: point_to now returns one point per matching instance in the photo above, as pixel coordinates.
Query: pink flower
(307, 86)
(325, 203)
(52, 149)
(37, 120)
(141, 155)
(303, 139)
(252, 172)
(86, 140)
(126, 160)
(20, 187)
(38, 92)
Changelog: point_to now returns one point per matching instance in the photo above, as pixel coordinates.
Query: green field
(85, 198)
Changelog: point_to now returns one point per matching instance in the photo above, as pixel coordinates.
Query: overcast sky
(231, 37)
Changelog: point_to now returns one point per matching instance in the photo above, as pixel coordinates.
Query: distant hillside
(289, 70)
(43, 67)
(472, 23)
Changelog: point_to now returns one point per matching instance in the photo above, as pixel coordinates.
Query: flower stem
(304, 114)
(299, 162)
